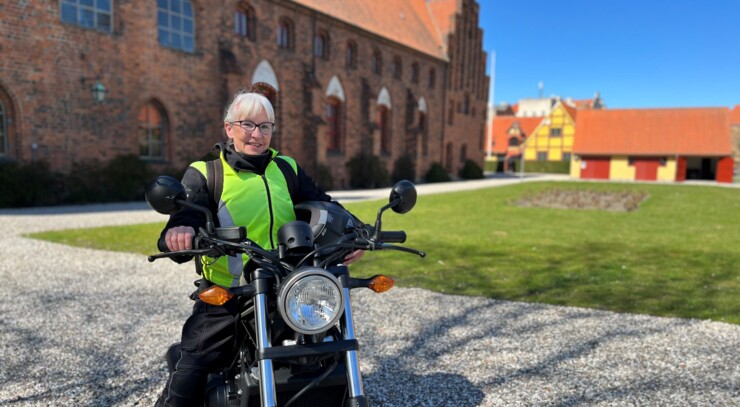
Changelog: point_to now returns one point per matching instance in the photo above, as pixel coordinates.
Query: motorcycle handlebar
(213, 247)
(393, 236)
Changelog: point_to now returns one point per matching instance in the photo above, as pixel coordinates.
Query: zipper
(269, 206)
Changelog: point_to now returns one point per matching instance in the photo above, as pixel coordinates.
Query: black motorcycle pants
(209, 343)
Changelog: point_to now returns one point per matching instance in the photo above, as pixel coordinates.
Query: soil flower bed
(616, 201)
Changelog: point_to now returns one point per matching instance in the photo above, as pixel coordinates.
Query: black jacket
(196, 188)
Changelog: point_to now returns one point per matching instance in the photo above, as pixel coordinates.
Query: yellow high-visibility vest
(261, 203)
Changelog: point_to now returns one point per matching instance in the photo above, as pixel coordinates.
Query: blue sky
(636, 53)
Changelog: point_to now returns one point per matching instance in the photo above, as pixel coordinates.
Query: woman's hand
(179, 238)
(353, 257)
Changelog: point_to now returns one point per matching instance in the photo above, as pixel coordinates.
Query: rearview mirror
(163, 193)
(403, 196)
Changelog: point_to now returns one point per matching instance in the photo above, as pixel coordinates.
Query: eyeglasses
(266, 128)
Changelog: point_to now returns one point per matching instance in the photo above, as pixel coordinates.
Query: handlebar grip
(393, 236)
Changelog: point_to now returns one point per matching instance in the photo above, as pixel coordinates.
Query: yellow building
(552, 140)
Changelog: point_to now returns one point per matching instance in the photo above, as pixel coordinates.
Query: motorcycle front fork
(268, 396)
(354, 379)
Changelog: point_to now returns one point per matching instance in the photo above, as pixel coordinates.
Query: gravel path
(82, 327)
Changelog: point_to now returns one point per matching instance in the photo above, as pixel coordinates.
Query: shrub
(437, 173)
(34, 184)
(493, 165)
(367, 171)
(176, 172)
(8, 183)
(126, 178)
(555, 167)
(323, 177)
(84, 183)
(30, 184)
(403, 168)
(471, 170)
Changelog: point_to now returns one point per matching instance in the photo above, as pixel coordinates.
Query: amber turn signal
(381, 283)
(216, 295)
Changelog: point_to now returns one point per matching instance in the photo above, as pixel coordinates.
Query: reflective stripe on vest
(243, 203)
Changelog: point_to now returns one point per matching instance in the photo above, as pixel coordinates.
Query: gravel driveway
(82, 327)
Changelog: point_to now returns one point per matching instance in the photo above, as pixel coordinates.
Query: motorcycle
(299, 345)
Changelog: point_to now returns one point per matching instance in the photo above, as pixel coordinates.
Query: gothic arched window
(152, 132)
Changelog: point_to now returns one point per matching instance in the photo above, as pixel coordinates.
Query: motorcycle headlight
(311, 300)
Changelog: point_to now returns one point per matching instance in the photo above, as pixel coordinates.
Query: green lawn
(677, 255)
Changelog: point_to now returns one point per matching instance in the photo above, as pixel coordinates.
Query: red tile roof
(408, 22)
(735, 115)
(570, 109)
(443, 12)
(689, 131)
(501, 126)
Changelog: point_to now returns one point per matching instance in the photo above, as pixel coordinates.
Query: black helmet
(328, 220)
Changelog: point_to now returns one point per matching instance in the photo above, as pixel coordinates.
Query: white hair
(247, 104)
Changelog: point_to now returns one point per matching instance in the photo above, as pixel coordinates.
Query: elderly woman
(258, 190)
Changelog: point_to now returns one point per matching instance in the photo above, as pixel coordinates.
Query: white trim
(422, 105)
(384, 98)
(264, 73)
(335, 89)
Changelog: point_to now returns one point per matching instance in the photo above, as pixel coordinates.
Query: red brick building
(391, 77)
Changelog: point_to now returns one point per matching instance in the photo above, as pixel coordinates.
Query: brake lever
(404, 249)
(157, 256)
(194, 252)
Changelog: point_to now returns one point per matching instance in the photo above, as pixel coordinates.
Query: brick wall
(49, 67)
